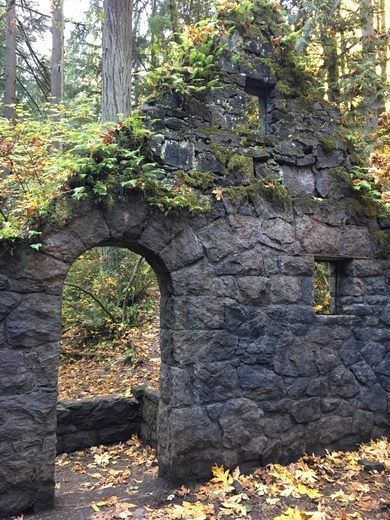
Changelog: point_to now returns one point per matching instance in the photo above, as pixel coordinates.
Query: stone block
(260, 383)
(285, 289)
(8, 302)
(185, 248)
(240, 418)
(373, 353)
(178, 154)
(306, 410)
(331, 159)
(333, 428)
(364, 374)
(216, 381)
(90, 422)
(343, 383)
(35, 321)
(374, 399)
(298, 181)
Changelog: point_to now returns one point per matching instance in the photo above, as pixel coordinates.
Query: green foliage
(342, 43)
(322, 296)
(107, 291)
(37, 165)
(365, 183)
(83, 60)
(66, 151)
(111, 168)
(187, 66)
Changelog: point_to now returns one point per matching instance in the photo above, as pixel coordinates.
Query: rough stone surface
(250, 374)
(91, 422)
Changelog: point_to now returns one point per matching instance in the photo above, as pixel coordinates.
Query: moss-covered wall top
(254, 128)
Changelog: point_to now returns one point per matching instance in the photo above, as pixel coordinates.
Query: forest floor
(121, 481)
(106, 372)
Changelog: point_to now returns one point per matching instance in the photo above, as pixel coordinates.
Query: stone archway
(30, 321)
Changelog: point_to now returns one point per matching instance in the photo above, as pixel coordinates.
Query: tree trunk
(383, 52)
(331, 64)
(57, 58)
(129, 285)
(10, 61)
(117, 59)
(174, 19)
(153, 56)
(370, 90)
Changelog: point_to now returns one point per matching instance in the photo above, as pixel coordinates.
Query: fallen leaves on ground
(108, 374)
(335, 486)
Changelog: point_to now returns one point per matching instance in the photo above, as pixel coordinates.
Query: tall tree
(383, 51)
(117, 58)
(57, 57)
(370, 86)
(10, 60)
(174, 19)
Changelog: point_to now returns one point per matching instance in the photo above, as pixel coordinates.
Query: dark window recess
(258, 104)
(328, 276)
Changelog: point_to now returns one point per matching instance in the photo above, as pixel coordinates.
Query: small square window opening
(257, 109)
(326, 284)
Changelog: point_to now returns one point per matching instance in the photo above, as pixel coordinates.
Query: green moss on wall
(286, 90)
(233, 162)
(269, 189)
(196, 179)
(240, 163)
(328, 145)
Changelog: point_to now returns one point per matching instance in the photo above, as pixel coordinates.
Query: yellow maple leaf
(189, 511)
(222, 477)
(296, 514)
(307, 476)
(289, 514)
(233, 506)
(341, 496)
(102, 460)
(261, 489)
(311, 493)
(218, 193)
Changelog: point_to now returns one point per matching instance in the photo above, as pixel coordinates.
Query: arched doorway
(110, 325)
(32, 285)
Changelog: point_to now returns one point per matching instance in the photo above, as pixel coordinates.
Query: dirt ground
(99, 482)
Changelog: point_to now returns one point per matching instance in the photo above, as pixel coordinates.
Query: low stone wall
(106, 420)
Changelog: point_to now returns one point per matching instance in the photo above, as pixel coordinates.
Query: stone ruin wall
(250, 374)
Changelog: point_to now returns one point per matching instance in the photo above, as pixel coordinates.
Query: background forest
(57, 84)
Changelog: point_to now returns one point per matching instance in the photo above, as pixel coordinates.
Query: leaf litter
(121, 482)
